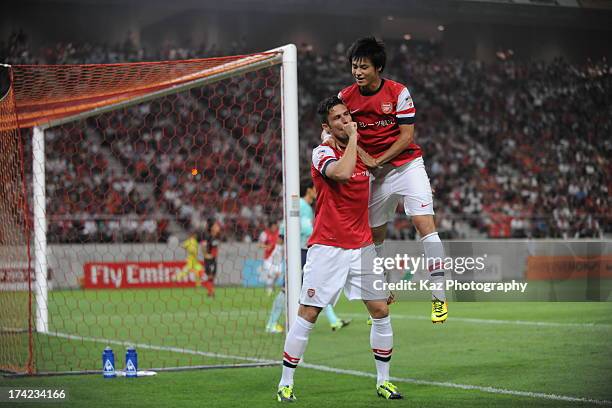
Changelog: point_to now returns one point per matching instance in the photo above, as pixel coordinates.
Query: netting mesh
(15, 269)
(47, 92)
(126, 190)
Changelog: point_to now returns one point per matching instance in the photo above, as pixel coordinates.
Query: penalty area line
(468, 387)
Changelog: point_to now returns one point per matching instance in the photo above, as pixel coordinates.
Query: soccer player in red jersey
(340, 250)
(210, 245)
(385, 113)
(267, 241)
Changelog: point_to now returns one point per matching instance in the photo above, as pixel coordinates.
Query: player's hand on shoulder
(325, 137)
(328, 140)
(368, 160)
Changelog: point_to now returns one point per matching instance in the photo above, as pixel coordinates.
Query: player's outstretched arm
(342, 170)
(405, 138)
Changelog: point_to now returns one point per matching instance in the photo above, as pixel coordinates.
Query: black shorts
(210, 266)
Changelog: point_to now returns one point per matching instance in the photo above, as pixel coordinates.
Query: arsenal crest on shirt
(387, 107)
(310, 292)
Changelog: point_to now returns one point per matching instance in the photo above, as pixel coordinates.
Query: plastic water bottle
(131, 363)
(108, 363)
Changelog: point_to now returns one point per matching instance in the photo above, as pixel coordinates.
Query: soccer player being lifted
(341, 252)
(385, 114)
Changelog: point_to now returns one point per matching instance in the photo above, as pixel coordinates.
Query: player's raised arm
(336, 162)
(342, 169)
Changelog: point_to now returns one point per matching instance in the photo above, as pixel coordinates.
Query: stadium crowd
(513, 148)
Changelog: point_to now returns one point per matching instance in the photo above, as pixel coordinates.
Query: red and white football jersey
(341, 212)
(379, 115)
(269, 238)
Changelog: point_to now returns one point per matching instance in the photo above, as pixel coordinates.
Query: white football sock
(295, 344)
(434, 256)
(381, 340)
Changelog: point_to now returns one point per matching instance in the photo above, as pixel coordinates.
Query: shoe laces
(438, 306)
(388, 385)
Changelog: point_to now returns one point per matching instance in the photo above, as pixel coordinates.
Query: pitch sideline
(491, 390)
(602, 326)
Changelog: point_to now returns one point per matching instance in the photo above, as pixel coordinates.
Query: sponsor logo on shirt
(378, 123)
(361, 173)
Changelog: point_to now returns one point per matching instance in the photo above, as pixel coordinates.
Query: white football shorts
(330, 269)
(408, 183)
(269, 269)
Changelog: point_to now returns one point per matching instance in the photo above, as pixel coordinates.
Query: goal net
(15, 294)
(148, 185)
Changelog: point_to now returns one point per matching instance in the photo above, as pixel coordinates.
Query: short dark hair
(368, 47)
(326, 105)
(304, 186)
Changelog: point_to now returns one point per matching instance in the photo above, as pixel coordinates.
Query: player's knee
(378, 310)
(309, 313)
(379, 233)
(425, 224)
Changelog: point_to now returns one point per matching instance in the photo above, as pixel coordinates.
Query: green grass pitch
(552, 349)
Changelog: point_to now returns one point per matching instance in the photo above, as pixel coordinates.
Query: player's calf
(381, 341)
(295, 345)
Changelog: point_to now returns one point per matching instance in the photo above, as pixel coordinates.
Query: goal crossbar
(201, 78)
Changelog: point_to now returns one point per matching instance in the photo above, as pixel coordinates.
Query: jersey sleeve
(323, 156)
(263, 237)
(405, 112)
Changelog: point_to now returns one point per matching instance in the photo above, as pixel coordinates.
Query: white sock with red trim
(295, 344)
(434, 257)
(381, 340)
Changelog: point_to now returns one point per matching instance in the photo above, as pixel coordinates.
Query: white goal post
(287, 57)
